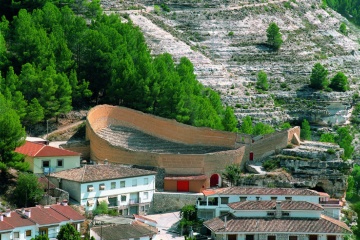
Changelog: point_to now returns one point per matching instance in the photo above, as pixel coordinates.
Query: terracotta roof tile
(92, 173)
(40, 150)
(289, 225)
(269, 205)
(266, 191)
(68, 212)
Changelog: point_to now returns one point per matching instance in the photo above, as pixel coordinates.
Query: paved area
(166, 223)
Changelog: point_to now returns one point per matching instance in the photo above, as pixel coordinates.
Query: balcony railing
(209, 203)
(134, 201)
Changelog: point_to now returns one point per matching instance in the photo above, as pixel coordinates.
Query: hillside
(225, 41)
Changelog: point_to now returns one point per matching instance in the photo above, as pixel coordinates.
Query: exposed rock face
(311, 165)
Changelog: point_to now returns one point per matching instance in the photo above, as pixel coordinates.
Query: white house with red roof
(24, 224)
(43, 158)
(276, 220)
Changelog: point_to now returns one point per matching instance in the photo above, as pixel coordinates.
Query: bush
(330, 151)
(271, 164)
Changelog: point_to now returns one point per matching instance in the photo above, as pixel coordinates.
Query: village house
(215, 201)
(126, 189)
(44, 159)
(272, 220)
(24, 224)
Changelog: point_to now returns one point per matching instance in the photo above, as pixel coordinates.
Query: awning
(90, 202)
(103, 199)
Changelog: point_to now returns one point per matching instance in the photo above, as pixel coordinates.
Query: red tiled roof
(92, 173)
(209, 192)
(269, 205)
(177, 177)
(265, 191)
(39, 215)
(274, 225)
(40, 150)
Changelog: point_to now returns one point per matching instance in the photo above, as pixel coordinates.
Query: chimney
(28, 213)
(225, 222)
(1, 217)
(278, 209)
(106, 162)
(64, 202)
(23, 211)
(8, 213)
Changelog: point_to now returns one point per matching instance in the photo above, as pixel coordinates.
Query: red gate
(182, 186)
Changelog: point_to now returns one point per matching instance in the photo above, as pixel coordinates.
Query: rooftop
(267, 225)
(41, 150)
(125, 231)
(136, 140)
(40, 215)
(271, 205)
(261, 191)
(93, 173)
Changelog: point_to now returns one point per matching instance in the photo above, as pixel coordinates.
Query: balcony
(207, 203)
(134, 201)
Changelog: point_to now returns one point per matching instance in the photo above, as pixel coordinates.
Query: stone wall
(56, 195)
(167, 201)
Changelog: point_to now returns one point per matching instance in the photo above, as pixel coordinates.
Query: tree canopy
(232, 173)
(28, 190)
(68, 232)
(339, 82)
(274, 37)
(305, 130)
(262, 82)
(318, 77)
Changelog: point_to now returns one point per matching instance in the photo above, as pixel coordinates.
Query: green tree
(232, 173)
(229, 121)
(262, 82)
(344, 139)
(28, 190)
(327, 137)
(68, 232)
(102, 208)
(305, 130)
(188, 215)
(339, 82)
(318, 77)
(34, 112)
(274, 37)
(246, 126)
(12, 135)
(40, 237)
(343, 28)
(262, 129)
(285, 125)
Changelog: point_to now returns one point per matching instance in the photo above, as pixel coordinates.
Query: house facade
(215, 201)
(276, 220)
(44, 159)
(128, 190)
(25, 224)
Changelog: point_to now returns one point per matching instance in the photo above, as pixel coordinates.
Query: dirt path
(64, 128)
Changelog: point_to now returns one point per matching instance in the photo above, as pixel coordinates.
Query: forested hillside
(57, 55)
(348, 8)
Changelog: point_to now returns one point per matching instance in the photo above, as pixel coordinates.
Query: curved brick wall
(104, 115)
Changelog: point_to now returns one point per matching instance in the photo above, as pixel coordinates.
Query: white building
(272, 220)
(129, 190)
(27, 223)
(215, 201)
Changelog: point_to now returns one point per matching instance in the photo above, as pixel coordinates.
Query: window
(313, 237)
(286, 214)
(90, 188)
(142, 208)
(123, 198)
(113, 185)
(16, 235)
(146, 195)
(147, 206)
(122, 184)
(271, 214)
(134, 182)
(243, 199)
(288, 198)
(257, 198)
(224, 200)
(249, 237)
(28, 233)
(146, 181)
(102, 186)
(271, 238)
(60, 163)
(112, 201)
(293, 237)
(273, 198)
(45, 163)
(331, 237)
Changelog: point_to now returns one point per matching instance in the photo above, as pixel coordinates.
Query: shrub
(271, 164)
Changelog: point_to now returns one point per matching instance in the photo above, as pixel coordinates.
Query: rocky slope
(225, 41)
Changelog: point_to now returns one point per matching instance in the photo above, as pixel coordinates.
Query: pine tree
(318, 78)
(274, 37)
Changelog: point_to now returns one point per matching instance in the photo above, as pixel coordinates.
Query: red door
(182, 186)
(214, 180)
(251, 157)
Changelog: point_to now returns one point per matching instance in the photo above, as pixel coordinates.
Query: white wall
(22, 231)
(140, 188)
(69, 162)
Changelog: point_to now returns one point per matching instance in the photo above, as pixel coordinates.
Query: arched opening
(318, 188)
(215, 180)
